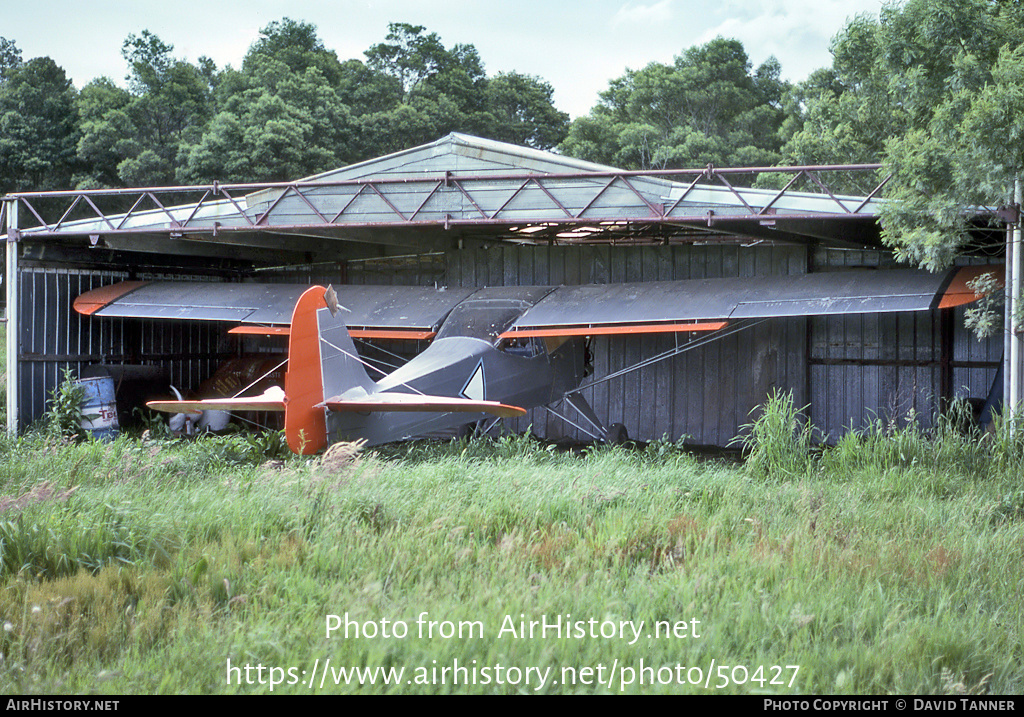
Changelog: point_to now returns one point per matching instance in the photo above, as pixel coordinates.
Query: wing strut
(576, 400)
(733, 328)
(581, 429)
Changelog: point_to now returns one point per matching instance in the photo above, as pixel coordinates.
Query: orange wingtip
(423, 404)
(261, 330)
(959, 293)
(92, 301)
(400, 334)
(615, 330)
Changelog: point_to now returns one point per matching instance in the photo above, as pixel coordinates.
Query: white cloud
(640, 14)
(797, 32)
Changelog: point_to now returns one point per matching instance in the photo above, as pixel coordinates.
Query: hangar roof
(458, 187)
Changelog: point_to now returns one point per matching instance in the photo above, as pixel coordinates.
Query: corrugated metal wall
(55, 337)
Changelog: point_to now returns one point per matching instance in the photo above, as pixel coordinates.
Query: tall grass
(779, 444)
(144, 567)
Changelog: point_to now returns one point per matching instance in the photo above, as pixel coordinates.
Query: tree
(524, 112)
(441, 91)
(281, 117)
(38, 132)
(291, 109)
(930, 88)
(707, 107)
(219, 155)
(133, 137)
(108, 134)
(892, 74)
(410, 56)
(171, 104)
(366, 90)
(294, 45)
(935, 90)
(10, 57)
(967, 155)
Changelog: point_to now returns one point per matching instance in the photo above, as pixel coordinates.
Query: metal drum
(99, 409)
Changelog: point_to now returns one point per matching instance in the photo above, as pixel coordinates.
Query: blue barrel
(99, 409)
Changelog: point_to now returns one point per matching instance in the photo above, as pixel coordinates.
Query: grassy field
(891, 563)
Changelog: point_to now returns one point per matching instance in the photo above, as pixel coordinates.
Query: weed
(155, 428)
(64, 416)
(778, 442)
(1005, 444)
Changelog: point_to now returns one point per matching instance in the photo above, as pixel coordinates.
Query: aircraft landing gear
(616, 435)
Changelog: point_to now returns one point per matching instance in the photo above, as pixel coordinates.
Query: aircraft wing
(416, 312)
(708, 304)
(201, 301)
(385, 312)
(270, 400)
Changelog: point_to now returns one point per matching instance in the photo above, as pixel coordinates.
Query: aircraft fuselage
(461, 366)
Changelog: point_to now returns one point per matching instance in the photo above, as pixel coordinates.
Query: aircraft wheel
(616, 434)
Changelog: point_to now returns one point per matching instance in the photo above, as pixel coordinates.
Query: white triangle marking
(474, 388)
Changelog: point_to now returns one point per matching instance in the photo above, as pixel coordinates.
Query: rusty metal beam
(233, 217)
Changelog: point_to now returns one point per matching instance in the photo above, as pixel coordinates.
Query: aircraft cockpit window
(482, 319)
(527, 347)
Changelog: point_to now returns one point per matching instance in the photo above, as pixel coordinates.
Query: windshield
(482, 319)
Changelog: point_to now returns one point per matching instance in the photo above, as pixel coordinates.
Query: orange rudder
(305, 425)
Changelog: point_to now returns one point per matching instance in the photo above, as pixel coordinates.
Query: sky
(578, 47)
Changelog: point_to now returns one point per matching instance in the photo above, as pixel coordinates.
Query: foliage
(706, 108)
(933, 89)
(132, 137)
(779, 444)
(288, 47)
(38, 124)
(294, 110)
(10, 57)
(414, 58)
(984, 318)
(108, 135)
(291, 110)
(244, 448)
(424, 90)
(523, 111)
(64, 416)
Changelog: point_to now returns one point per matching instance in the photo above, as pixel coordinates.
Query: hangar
(467, 212)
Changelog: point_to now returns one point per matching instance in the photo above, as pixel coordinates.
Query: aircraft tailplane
(322, 361)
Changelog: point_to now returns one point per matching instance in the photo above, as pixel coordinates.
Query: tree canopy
(291, 109)
(709, 107)
(38, 123)
(933, 89)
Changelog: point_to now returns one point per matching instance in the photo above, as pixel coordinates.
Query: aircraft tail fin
(322, 361)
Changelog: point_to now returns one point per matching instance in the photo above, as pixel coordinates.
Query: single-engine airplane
(495, 351)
